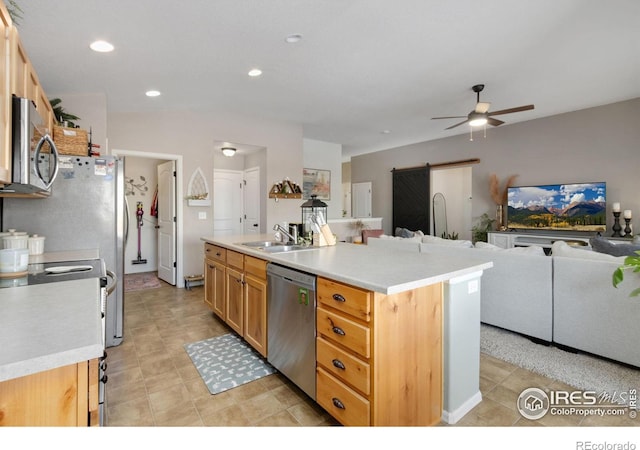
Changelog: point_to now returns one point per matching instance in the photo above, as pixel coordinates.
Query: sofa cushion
(561, 248)
(529, 250)
(602, 245)
(427, 239)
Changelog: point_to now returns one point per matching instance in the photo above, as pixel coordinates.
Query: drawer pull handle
(338, 330)
(337, 403)
(218, 254)
(339, 298)
(339, 364)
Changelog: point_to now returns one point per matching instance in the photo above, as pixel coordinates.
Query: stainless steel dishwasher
(291, 299)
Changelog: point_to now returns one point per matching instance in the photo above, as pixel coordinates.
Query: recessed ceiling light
(101, 46)
(255, 72)
(152, 93)
(293, 38)
(386, 132)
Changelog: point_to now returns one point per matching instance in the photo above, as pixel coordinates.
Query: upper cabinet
(17, 77)
(5, 97)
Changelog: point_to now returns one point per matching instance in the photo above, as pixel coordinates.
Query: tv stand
(510, 239)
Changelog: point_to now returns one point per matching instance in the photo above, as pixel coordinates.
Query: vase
(499, 217)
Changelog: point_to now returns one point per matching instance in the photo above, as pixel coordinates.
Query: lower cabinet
(236, 291)
(66, 396)
(379, 357)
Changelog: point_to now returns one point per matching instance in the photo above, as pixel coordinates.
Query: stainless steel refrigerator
(86, 210)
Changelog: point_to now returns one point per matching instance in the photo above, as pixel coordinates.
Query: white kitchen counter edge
(47, 326)
(379, 270)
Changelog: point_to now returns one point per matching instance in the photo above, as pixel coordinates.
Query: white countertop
(375, 269)
(70, 255)
(50, 325)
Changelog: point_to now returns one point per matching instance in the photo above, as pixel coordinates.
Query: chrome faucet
(281, 229)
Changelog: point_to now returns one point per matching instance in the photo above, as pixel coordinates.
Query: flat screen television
(558, 207)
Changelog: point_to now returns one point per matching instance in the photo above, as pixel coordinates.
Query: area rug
(579, 370)
(227, 361)
(140, 281)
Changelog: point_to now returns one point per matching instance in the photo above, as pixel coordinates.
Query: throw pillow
(561, 248)
(403, 232)
(428, 239)
(602, 245)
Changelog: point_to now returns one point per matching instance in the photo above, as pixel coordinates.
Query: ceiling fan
(481, 115)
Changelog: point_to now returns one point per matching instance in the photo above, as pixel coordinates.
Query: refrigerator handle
(126, 221)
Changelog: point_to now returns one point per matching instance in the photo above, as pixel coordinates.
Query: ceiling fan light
(478, 122)
(228, 151)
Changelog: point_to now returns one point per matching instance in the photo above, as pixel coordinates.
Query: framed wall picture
(316, 182)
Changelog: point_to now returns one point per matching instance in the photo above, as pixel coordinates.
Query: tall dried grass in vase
(499, 196)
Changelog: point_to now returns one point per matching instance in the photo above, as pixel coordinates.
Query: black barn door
(411, 199)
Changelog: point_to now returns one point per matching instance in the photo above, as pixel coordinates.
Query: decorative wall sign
(316, 182)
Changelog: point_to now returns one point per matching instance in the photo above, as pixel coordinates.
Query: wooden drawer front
(216, 253)
(256, 267)
(348, 299)
(235, 259)
(343, 403)
(347, 368)
(348, 333)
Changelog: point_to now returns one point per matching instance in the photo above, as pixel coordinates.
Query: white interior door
(252, 201)
(227, 202)
(167, 222)
(361, 197)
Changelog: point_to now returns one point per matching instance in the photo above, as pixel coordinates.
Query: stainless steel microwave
(34, 164)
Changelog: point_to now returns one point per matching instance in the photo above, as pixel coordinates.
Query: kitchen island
(379, 324)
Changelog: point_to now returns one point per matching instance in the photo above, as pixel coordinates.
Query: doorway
(454, 185)
(153, 159)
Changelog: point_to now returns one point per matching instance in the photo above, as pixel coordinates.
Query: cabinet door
(235, 300)
(219, 302)
(209, 283)
(5, 99)
(255, 330)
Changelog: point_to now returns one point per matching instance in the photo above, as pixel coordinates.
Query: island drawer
(256, 267)
(215, 252)
(347, 368)
(235, 259)
(344, 331)
(348, 299)
(343, 403)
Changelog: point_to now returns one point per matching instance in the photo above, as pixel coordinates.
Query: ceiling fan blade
(511, 110)
(482, 107)
(449, 117)
(457, 125)
(494, 122)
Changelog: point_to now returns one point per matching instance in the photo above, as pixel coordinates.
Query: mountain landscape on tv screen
(572, 207)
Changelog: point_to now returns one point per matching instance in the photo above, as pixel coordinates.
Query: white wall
(92, 110)
(455, 184)
(192, 135)
(325, 156)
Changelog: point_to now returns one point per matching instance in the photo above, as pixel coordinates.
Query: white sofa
(589, 314)
(567, 298)
(516, 293)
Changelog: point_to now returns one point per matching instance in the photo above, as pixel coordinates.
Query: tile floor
(152, 381)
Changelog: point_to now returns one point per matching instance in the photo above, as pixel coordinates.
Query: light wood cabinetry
(236, 291)
(255, 303)
(214, 279)
(379, 357)
(5, 98)
(66, 396)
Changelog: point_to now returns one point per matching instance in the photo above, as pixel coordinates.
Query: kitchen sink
(263, 244)
(274, 246)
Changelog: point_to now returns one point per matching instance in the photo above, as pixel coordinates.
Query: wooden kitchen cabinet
(5, 98)
(379, 356)
(236, 291)
(66, 396)
(255, 303)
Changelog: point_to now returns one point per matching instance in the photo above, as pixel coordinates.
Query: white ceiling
(363, 66)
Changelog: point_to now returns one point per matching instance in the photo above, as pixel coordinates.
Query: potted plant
(479, 231)
(64, 118)
(630, 262)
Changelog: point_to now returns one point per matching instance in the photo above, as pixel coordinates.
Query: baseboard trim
(454, 416)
